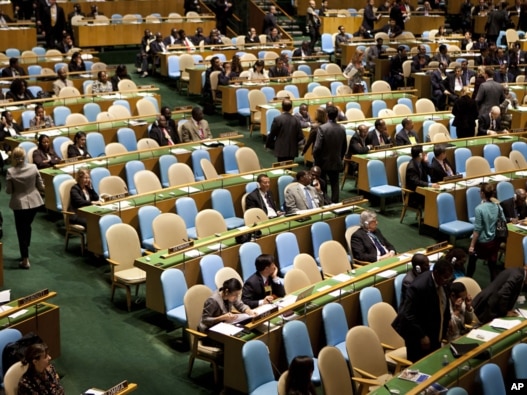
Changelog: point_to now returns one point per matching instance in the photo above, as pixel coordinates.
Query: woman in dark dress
(18, 91)
(44, 156)
(76, 63)
(465, 111)
(78, 148)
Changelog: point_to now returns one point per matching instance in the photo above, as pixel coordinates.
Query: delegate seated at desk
(41, 120)
(461, 311)
(417, 175)
(82, 194)
(262, 198)
(278, 70)
(44, 156)
(300, 195)
(515, 208)
(406, 136)
(78, 148)
(440, 166)
(196, 128)
(379, 135)
(368, 243)
(163, 133)
(490, 124)
(264, 285)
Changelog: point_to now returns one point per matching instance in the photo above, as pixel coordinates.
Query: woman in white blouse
(258, 72)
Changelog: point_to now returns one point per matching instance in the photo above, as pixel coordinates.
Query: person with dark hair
(8, 128)
(358, 146)
(303, 116)
(274, 36)
(227, 74)
(457, 258)
(515, 208)
(101, 84)
(300, 195)
(78, 148)
(420, 60)
(321, 118)
(461, 311)
(442, 92)
(391, 29)
(219, 307)
(13, 70)
(442, 56)
(269, 20)
(167, 113)
(66, 44)
(379, 135)
(465, 111)
(396, 68)
(303, 52)
(312, 25)
(214, 38)
(44, 156)
(262, 197)
(440, 166)
(396, 14)
(163, 133)
(407, 135)
(263, 286)
(52, 21)
(82, 194)
(252, 37)
(121, 73)
(18, 91)
(40, 377)
(76, 63)
(369, 17)
(499, 297)
(420, 265)
(417, 172)
(172, 38)
(341, 39)
(368, 244)
(41, 120)
(224, 10)
(62, 81)
(484, 244)
(278, 70)
(318, 182)
(329, 150)
(215, 65)
(425, 314)
(298, 381)
(185, 41)
(142, 58)
(258, 72)
(490, 93)
(286, 134)
(196, 128)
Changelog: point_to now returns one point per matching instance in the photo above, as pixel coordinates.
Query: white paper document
(192, 254)
(321, 289)
(388, 274)
(482, 335)
(18, 314)
(226, 329)
(286, 301)
(216, 247)
(5, 296)
(189, 189)
(498, 323)
(179, 151)
(277, 171)
(342, 277)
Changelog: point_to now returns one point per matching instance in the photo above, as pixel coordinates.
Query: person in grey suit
(301, 196)
(24, 184)
(406, 136)
(286, 134)
(196, 128)
(329, 150)
(490, 93)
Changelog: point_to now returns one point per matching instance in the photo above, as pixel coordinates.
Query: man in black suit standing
(407, 135)
(490, 93)
(515, 208)
(425, 314)
(440, 166)
(52, 20)
(441, 89)
(369, 16)
(262, 197)
(330, 147)
(269, 20)
(264, 285)
(396, 68)
(499, 297)
(490, 123)
(378, 136)
(286, 134)
(417, 175)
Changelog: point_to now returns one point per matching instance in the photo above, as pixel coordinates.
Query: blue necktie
(378, 244)
(308, 198)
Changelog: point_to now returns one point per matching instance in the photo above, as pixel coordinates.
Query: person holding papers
(499, 297)
(300, 195)
(264, 285)
(219, 307)
(368, 243)
(262, 198)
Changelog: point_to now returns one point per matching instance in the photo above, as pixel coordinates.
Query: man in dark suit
(515, 208)
(391, 29)
(162, 133)
(286, 134)
(440, 166)
(262, 197)
(303, 51)
(466, 73)
(52, 21)
(329, 149)
(378, 136)
(420, 265)
(279, 69)
(417, 175)
(503, 76)
(441, 93)
(407, 135)
(157, 47)
(269, 20)
(497, 21)
(358, 146)
(369, 16)
(14, 70)
(264, 285)
(490, 123)
(516, 57)
(490, 93)
(442, 56)
(425, 314)
(396, 14)
(499, 297)
(172, 38)
(368, 243)
(396, 68)
(420, 60)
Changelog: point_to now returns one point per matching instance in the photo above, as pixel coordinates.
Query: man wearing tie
(417, 175)
(262, 197)
(466, 73)
(196, 128)
(440, 166)
(368, 243)
(264, 285)
(378, 136)
(300, 195)
(490, 124)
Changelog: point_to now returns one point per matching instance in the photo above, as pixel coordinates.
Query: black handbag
(501, 226)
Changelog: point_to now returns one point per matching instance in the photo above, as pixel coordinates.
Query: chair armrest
(67, 212)
(400, 360)
(196, 333)
(366, 381)
(112, 262)
(387, 346)
(148, 252)
(360, 263)
(365, 374)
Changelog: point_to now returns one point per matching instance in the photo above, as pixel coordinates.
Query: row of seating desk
(21, 37)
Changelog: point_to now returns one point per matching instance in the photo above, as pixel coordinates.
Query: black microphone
(517, 164)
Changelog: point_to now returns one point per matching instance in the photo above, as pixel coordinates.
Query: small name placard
(175, 249)
(283, 163)
(264, 314)
(32, 297)
(352, 199)
(228, 134)
(115, 197)
(117, 388)
(453, 177)
(435, 247)
(385, 146)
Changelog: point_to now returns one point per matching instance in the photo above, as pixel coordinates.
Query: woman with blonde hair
(355, 71)
(82, 194)
(24, 184)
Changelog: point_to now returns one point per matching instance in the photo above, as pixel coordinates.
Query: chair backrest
(104, 223)
(491, 380)
(377, 105)
(519, 360)
(225, 274)
(294, 280)
(196, 156)
(398, 288)
(365, 351)
(352, 220)
(247, 160)
(119, 111)
(281, 383)
(380, 86)
(308, 265)
(470, 284)
(519, 159)
(438, 132)
(69, 91)
(222, 202)
(131, 168)
(112, 185)
(180, 173)
(208, 169)
(504, 190)
(322, 91)
(520, 146)
(91, 110)
(477, 166)
(146, 215)
(165, 161)
(123, 246)
(258, 368)
(7, 335)
(376, 173)
(209, 222)
(335, 323)
(248, 253)
(168, 229)
(473, 199)
(424, 105)
(210, 265)
(60, 114)
(461, 156)
(194, 300)
(254, 216)
(503, 163)
(333, 258)
(57, 145)
(126, 85)
(320, 232)
(12, 378)
(174, 287)
(95, 144)
(126, 137)
(446, 209)
(296, 340)
(229, 159)
(146, 181)
(114, 149)
(491, 152)
(380, 318)
(334, 372)
(96, 175)
(147, 143)
(186, 208)
(144, 106)
(286, 249)
(407, 102)
(355, 114)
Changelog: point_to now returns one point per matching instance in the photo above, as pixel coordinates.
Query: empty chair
(196, 156)
(296, 343)
(126, 137)
(186, 208)
(504, 190)
(179, 174)
(126, 85)
(520, 146)
(91, 110)
(286, 249)
(229, 159)
(457, 391)
(247, 160)
(322, 91)
(308, 265)
(398, 288)
(447, 217)
(320, 232)
(334, 372)
(352, 220)
(379, 183)
(368, 297)
(473, 196)
(355, 114)
(76, 119)
(242, 102)
(146, 215)
(60, 113)
(407, 102)
(294, 280)
(258, 368)
(293, 89)
(146, 181)
(518, 159)
(112, 185)
(222, 202)
(147, 143)
(96, 175)
(209, 266)
(132, 167)
(490, 153)
(165, 161)
(503, 163)
(69, 91)
(248, 253)
(424, 105)
(385, 112)
(335, 326)
(168, 230)
(210, 222)
(333, 258)
(491, 379)
(477, 166)
(119, 112)
(461, 156)
(144, 106)
(380, 317)
(377, 105)
(380, 86)
(174, 288)
(519, 360)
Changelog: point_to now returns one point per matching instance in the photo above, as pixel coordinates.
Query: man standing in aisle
(286, 134)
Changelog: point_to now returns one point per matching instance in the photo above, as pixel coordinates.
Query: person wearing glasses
(368, 244)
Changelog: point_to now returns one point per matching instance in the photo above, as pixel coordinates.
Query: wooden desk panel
(23, 38)
(417, 23)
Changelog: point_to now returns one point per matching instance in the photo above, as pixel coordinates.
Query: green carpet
(102, 343)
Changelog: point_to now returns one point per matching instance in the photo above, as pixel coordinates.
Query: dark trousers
(333, 177)
(314, 35)
(487, 251)
(414, 351)
(23, 220)
(284, 158)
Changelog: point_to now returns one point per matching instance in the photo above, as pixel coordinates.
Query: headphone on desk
(418, 269)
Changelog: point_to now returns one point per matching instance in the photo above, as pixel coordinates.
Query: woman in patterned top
(41, 377)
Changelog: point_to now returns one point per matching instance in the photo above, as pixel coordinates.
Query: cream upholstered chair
(344, 90)
(76, 119)
(334, 372)
(332, 68)
(208, 169)
(54, 55)
(214, 86)
(520, 79)
(101, 20)
(283, 94)
(256, 98)
(386, 112)
(438, 132)
(69, 91)
(470, 284)
(254, 215)
(12, 378)
(355, 114)
(224, 274)
(319, 75)
(518, 159)
(308, 265)
(145, 107)
(71, 229)
(402, 109)
(64, 148)
(124, 248)
(174, 17)
(209, 222)
(299, 76)
(193, 301)
(169, 229)
(146, 143)
(112, 185)
(477, 166)
(406, 195)
(146, 181)
(126, 85)
(380, 318)
(179, 174)
(503, 163)
(380, 86)
(247, 160)
(294, 280)
(104, 116)
(114, 149)
(424, 105)
(185, 61)
(119, 111)
(347, 235)
(29, 155)
(333, 258)
(281, 383)
(322, 91)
